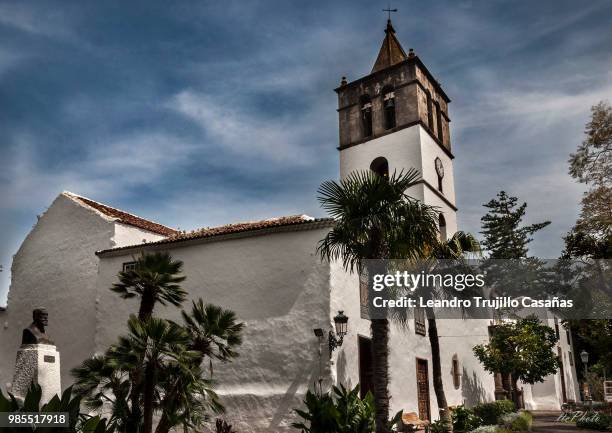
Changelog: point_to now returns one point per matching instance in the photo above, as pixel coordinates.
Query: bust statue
(35, 333)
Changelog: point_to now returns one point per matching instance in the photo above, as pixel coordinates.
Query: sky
(201, 113)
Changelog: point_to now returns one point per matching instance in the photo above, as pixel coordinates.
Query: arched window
(442, 227)
(380, 166)
(439, 121)
(429, 110)
(366, 115)
(389, 107)
(456, 372)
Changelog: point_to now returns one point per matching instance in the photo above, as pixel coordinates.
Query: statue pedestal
(38, 363)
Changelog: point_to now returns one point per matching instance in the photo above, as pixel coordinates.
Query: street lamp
(584, 357)
(335, 339)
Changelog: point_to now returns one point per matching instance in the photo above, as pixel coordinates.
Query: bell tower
(396, 118)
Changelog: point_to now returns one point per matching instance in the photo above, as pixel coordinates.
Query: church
(395, 117)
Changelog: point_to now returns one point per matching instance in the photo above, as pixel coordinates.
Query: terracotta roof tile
(124, 217)
(228, 229)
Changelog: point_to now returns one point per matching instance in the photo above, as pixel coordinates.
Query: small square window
(129, 266)
(419, 321)
(456, 373)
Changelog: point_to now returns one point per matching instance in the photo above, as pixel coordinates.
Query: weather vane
(389, 10)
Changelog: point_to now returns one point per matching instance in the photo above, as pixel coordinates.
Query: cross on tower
(389, 10)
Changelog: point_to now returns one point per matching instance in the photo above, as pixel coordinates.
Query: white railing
(608, 390)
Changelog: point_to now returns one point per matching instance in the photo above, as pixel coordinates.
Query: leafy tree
(376, 219)
(504, 235)
(523, 349)
(508, 268)
(594, 336)
(590, 240)
(592, 165)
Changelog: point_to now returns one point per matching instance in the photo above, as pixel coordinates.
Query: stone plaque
(49, 359)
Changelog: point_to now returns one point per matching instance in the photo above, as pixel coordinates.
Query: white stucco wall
(128, 235)
(408, 148)
(56, 267)
(278, 286)
(548, 395)
(456, 337)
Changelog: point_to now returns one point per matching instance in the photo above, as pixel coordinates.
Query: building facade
(394, 119)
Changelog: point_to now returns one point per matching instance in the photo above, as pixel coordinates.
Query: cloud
(207, 113)
(51, 22)
(279, 139)
(108, 167)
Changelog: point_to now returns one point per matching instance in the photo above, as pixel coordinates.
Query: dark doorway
(366, 368)
(423, 389)
(562, 374)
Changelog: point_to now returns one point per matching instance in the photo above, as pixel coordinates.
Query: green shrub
(490, 412)
(517, 421)
(69, 403)
(437, 427)
(597, 421)
(486, 429)
(337, 412)
(464, 420)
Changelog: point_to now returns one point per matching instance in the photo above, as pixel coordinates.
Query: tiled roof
(123, 217)
(391, 51)
(228, 229)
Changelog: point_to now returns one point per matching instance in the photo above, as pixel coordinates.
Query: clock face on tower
(439, 167)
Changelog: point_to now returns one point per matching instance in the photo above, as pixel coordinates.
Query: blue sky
(201, 113)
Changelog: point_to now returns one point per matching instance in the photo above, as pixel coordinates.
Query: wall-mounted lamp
(335, 339)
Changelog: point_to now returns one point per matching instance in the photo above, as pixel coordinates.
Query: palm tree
(214, 333)
(376, 219)
(152, 345)
(452, 251)
(155, 278)
(173, 382)
(104, 383)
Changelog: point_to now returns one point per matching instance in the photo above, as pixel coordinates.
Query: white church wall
(128, 235)
(401, 149)
(457, 337)
(279, 287)
(56, 267)
(450, 216)
(430, 150)
(548, 395)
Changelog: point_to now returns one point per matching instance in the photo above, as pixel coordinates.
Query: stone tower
(396, 118)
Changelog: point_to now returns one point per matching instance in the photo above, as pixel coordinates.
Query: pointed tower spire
(391, 51)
